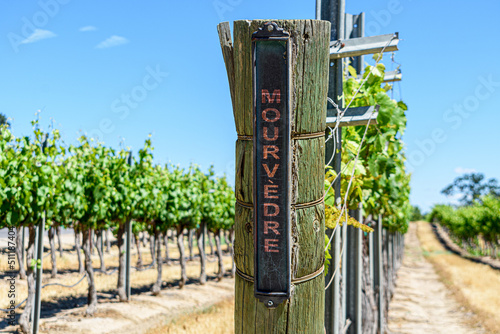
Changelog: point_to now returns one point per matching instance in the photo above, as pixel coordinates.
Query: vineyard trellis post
(378, 275)
(304, 311)
(354, 28)
(371, 252)
(128, 228)
(39, 270)
(389, 255)
(101, 243)
(354, 270)
(333, 11)
(346, 26)
(350, 43)
(23, 247)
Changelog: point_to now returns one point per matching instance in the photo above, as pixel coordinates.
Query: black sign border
(272, 299)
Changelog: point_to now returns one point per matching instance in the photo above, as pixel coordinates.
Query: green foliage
(468, 222)
(378, 177)
(3, 120)
(328, 257)
(332, 216)
(28, 176)
(35, 263)
(416, 214)
(472, 186)
(91, 186)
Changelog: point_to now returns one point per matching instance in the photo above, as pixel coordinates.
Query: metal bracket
(363, 45)
(270, 30)
(353, 116)
(392, 76)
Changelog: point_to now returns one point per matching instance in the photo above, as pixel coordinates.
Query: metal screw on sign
(270, 303)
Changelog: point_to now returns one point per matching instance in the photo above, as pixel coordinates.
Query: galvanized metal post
(359, 274)
(128, 228)
(205, 236)
(401, 249)
(127, 258)
(400, 253)
(317, 16)
(394, 252)
(333, 11)
(390, 262)
(39, 271)
(35, 257)
(378, 279)
(23, 248)
(371, 259)
(354, 28)
(371, 256)
(354, 266)
(101, 232)
(396, 245)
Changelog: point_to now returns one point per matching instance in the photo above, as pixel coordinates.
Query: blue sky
(123, 69)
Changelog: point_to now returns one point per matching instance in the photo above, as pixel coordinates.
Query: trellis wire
(340, 114)
(72, 286)
(43, 286)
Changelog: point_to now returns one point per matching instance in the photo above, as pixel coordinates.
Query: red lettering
(276, 94)
(276, 117)
(271, 225)
(267, 150)
(267, 190)
(268, 244)
(266, 209)
(270, 174)
(275, 134)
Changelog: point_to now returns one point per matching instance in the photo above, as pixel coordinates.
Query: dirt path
(143, 313)
(422, 303)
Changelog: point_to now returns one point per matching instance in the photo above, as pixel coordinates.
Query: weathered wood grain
(307, 171)
(226, 45)
(304, 311)
(244, 171)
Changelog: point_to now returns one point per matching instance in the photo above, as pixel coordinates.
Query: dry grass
(218, 318)
(476, 286)
(68, 273)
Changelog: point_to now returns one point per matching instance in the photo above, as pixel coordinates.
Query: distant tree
(472, 186)
(3, 120)
(494, 187)
(416, 214)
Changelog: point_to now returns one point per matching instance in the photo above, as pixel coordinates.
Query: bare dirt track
(144, 312)
(422, 303)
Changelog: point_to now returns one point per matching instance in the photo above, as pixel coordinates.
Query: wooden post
(303, 312)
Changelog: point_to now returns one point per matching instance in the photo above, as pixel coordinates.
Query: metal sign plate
(271, 75)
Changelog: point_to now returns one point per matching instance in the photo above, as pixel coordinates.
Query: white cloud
(460, 170)
(37, 35)
(112, 42)
(87, 28)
